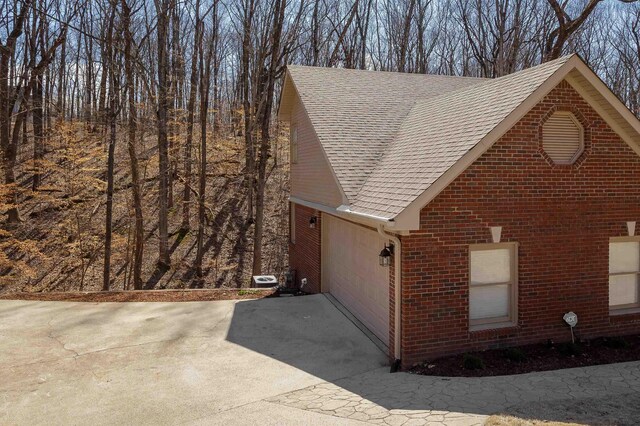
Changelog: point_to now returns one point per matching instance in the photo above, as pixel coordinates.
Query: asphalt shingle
(389, 136)
(357, 113)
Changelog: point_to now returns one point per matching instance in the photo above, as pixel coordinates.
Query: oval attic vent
(562, 137)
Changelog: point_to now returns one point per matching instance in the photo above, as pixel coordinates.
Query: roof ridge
(418, 75)
(385, 72)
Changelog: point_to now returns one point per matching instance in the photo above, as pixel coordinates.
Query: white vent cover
(562, 137)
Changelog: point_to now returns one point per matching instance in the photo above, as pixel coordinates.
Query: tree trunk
(138, 238)
(88, 42)
(265, 143)
(62, 88)
(193, 90)
(162, 7)
(246, 105)
(205, 80)
(102, 94)
(106, 283)
(9, 142)
(38, 132)
(112, 114)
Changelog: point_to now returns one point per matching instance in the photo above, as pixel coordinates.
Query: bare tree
(193, 91)
(567, 26)
(13, 100)
(138, 240)
(205, 57)
(162, 9)
(171, 73)
(112, 114)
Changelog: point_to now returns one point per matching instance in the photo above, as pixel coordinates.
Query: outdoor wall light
(312, 222)
(385, 255)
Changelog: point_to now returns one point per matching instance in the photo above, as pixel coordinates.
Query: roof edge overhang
(631, 135)
(409, 218)
(344, 212)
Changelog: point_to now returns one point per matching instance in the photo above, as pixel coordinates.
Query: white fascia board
(611, 98)
(631, 140)
(378, 219)
(344, 212)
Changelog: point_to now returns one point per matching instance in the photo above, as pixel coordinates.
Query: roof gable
(435, 138)
(356, 113)
(438, 132)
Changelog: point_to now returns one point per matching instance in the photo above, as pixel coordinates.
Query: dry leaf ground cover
(59, 244)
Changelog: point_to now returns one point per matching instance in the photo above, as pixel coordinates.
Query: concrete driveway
(172, 363)
(269, 362)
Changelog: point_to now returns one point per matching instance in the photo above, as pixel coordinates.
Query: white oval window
(563, 137)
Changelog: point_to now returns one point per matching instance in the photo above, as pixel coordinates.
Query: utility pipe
(397, 265)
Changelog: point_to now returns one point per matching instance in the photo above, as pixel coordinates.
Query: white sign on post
(571, 319)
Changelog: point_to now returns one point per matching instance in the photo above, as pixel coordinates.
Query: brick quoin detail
(562, 216)
(304, 255)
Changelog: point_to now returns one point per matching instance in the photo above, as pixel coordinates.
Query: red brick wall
(304, 255)
(562, 217)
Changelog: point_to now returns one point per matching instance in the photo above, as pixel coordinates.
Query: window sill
(624, 311)
(492, 326)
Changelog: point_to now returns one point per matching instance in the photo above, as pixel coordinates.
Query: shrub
(616, 343)
(472, 362)
(515, 355)
(569, 349)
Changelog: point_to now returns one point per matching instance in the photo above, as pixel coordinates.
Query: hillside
(58, 246)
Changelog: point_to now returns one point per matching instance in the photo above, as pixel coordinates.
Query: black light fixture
(385, 255)
(312, 222)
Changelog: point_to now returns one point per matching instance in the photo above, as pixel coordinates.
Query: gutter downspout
(397, 256)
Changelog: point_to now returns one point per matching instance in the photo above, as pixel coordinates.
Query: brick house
(487, 208)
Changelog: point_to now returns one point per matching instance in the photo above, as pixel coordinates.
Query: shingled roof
(357, 113)
(439, 131)
(391, 138)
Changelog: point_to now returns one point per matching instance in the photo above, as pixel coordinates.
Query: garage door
(352, 274)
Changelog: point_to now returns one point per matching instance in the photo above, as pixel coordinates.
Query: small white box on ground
(264, 281)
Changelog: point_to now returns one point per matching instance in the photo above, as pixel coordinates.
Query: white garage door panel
(353, 275)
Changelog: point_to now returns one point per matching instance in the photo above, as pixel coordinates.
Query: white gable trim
(615, 102)
(287, 101)
(409, 218)
(612, 100)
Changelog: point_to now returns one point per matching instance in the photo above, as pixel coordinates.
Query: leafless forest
(140, 146)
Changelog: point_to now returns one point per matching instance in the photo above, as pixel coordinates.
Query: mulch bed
(144, 295)
(530, 358)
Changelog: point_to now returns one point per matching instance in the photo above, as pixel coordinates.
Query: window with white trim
(624, 271)
(493, 276)
(293, 144)
(563, 137)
